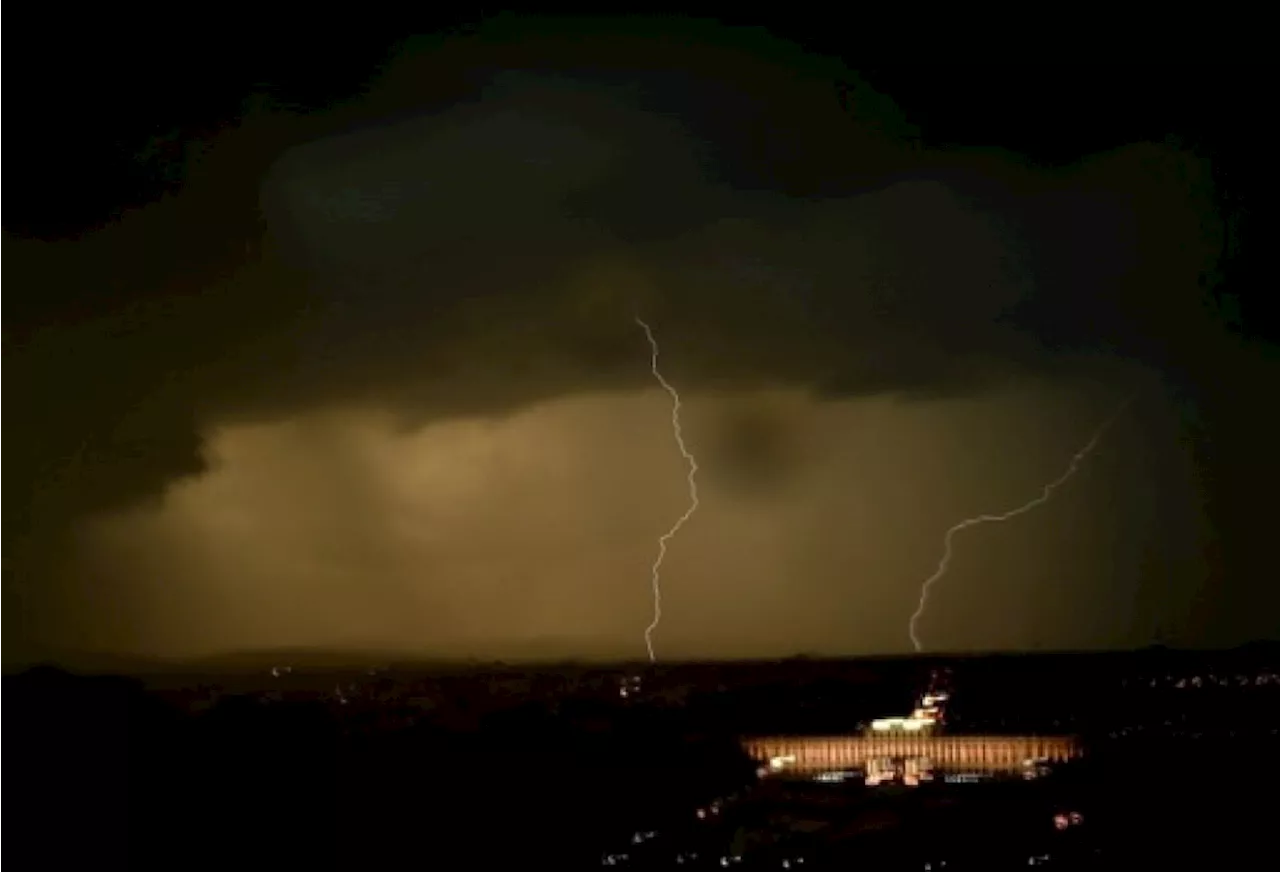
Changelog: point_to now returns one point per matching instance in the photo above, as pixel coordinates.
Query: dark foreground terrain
(503, 767)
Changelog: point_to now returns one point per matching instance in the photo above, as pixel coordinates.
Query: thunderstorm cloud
(372, 379)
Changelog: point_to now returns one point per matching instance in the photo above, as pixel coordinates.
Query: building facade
(807, 755)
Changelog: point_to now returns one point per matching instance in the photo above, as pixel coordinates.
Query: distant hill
(310, 659)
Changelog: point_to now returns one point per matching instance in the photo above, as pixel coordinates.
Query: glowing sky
(371, 380)
(532, 533)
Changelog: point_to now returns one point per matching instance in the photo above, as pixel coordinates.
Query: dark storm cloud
(768, 214)
(755, 447)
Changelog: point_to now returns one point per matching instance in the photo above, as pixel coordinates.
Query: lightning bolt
(1046, 494)
(656, 572)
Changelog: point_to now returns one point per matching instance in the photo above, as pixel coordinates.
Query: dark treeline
(112, 777)
(466, 772)
(1096, 695)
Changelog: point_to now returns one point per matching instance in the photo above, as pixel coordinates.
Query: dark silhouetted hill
(142, 785)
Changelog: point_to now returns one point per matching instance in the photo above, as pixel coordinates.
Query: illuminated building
(810, 755)
(925, 717)
(911, 749)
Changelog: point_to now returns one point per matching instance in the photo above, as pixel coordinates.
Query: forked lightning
(666, 537)
(1045, 495)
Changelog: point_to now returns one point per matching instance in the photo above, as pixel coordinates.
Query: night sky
(332, 346)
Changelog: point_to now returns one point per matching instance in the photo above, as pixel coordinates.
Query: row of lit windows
(965, 749)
